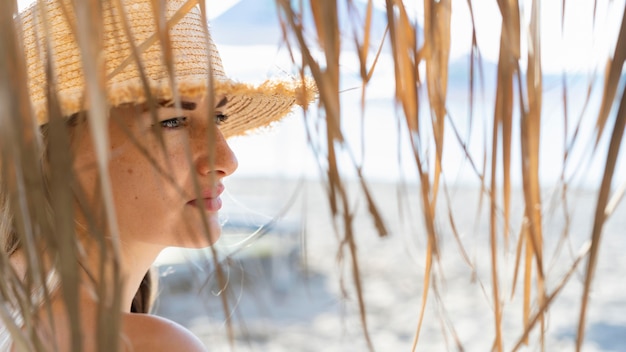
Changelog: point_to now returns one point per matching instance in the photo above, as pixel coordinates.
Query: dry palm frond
(326, 75)
(605, 188)
(519, 92)
(421, 69)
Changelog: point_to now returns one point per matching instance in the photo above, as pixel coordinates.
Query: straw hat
(193, 51)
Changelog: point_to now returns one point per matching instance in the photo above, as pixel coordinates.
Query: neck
(135, 260)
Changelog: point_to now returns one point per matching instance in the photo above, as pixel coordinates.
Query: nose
(213, 154)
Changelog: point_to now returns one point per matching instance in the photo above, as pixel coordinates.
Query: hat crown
(193, 52)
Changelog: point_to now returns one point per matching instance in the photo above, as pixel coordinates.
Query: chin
(194, 234)
(196, 229)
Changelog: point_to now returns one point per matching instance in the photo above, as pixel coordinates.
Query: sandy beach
(292, 289)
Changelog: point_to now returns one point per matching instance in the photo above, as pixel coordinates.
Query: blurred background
(290, 282)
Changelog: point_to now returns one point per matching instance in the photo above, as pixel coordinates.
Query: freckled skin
(152, 201)
(151, 197)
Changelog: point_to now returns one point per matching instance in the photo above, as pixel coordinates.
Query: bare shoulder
(144, 332)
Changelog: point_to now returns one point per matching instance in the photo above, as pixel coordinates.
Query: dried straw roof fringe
(407, 57)
(192, 49)
(519, 92)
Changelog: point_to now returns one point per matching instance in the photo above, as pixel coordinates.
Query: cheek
(125, 182)
(156, 178)
(167, 155)
(135, 180)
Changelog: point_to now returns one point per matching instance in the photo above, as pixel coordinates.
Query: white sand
(280, 305)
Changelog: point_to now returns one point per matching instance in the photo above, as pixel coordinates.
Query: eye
(174, 123)
(220, 119)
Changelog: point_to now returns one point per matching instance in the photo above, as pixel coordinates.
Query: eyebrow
(222, 103)
(187, 105)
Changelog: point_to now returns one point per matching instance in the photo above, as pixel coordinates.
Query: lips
(210, 200)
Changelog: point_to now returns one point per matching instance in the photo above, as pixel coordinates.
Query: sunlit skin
(152, 183)
(156, 205)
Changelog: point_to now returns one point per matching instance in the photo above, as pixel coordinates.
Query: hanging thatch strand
(41, 199)
(518, 105)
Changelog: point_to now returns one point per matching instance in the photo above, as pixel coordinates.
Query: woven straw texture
(249, 107)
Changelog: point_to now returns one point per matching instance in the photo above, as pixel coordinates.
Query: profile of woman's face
(152, 169)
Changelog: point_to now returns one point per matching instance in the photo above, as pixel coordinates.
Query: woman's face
(166, 175)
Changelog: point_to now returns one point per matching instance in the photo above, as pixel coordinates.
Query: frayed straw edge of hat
(303, 92)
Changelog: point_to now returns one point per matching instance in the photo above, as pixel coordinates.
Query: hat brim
(251, 107)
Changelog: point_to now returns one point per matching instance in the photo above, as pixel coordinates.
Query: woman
(166, 122)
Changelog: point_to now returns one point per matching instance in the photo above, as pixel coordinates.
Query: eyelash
(167, 124)
(220, 119)
(181, 121)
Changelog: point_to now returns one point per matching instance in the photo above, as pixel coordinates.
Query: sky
(577, 44)
(574, 44)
